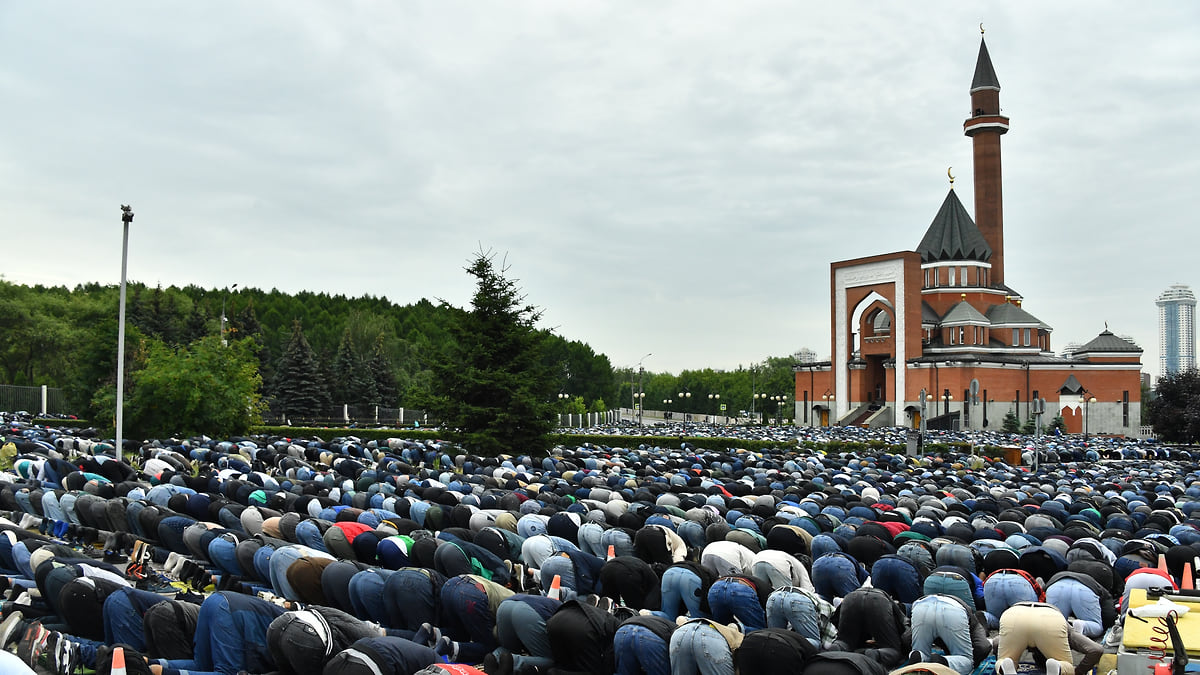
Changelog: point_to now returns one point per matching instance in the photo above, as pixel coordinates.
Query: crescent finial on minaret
(981, 31)
(950, 176)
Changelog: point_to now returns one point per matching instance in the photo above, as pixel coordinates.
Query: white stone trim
(866, 274)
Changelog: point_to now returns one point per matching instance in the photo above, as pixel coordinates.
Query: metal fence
(42, 400)
(354, 416)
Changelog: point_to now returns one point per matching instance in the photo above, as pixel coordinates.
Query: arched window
(881, 322)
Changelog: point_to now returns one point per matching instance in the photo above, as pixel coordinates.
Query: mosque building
(937, 332)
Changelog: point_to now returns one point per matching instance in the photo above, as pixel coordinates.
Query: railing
(42, 400)
(354, 416)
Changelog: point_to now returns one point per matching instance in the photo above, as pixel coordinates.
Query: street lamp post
(828, 397)
(641, 395)
(126, 219)
(779, 399)
(223, 298)
(947, 396)
(683, 400)
(1088, 400)
(715, 404)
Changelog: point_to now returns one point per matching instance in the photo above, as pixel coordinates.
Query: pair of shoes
(65, 654)
(33, 644)
(498, 665)
(1007, 667)
(449, 648)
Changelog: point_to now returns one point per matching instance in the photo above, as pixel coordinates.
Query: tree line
(301, 354)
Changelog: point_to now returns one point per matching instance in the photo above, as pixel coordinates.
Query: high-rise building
(1176, 330)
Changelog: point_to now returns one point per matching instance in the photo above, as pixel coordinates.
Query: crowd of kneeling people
(399, 557)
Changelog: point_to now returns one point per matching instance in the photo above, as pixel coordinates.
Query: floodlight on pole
(126, 219)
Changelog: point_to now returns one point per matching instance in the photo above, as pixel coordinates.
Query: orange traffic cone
(612, 551)
(118, 661)
(1162, 563)
(555, 591)
(1187, 578)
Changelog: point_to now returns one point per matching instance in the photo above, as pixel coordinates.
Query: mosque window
(952, 335)
(950, 279)
(1027, 336)
(962, 335)
(1016, 337)
(881, 322)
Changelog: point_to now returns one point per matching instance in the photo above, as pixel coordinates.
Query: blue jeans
(794, 610)
(734, 598)
(564, 569)
(367, 595)
(1074, 599)
(898, 577)
(681, 585)
(935, 617)
(521, 627)
(468, 618)
(638, 650)
(698, 649)
(1002, 591)
(410, 595)
(835, 576)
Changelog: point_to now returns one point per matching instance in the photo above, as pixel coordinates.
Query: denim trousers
(680, 586)
(834, 576)
(520, 627)
(411, 599)
(796, 611)
(1003, 590)
(699, 649)
(638, 650)
(1074, 599)
(731, 599)
(936, 617)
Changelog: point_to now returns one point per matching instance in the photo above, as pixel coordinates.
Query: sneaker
(1007, 667)
(66, 654)
(10, 627)
(914, 657)
(1053, 667)
(424, 635)
(32, 644)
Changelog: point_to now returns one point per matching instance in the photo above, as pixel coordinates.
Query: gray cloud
(671, 177)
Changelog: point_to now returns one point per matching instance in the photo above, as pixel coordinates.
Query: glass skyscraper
(1176, 330)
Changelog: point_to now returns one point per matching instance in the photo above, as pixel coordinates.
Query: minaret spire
(985, 127)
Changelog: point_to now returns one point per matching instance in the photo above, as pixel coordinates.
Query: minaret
(985, 127)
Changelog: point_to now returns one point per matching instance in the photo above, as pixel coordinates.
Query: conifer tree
(352, 381)
(299, 391)
(380, 367)
(490, 384)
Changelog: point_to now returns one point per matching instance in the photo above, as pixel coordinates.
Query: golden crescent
(950, 175)
(981, 28)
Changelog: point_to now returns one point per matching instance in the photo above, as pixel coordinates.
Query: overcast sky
(670, 178)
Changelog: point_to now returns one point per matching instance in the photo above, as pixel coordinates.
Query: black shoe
(498, 665)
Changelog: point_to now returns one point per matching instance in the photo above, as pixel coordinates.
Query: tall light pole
(126, 219)
(641, 391)
(714, 403)
(223, 298)
(1088, 400)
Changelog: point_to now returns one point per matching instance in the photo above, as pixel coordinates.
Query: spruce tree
(299, 391)
(490, 384)
(380, 367)
(352, 380)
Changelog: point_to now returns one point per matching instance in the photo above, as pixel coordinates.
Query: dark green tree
(380, 367)
(1011, 423)
(1175, 408)
(1056, 424)
(491, 384)
(299, 391)
(352, 381)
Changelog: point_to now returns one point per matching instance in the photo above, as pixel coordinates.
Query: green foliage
(1011, 423)
(299, 389)
(1029, 427)
(1175, 409)
(1056, 424)
(352, 380)
(204, 387)
(491, 383)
